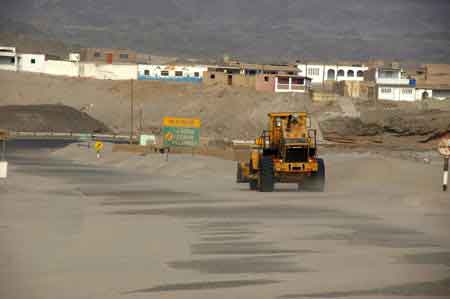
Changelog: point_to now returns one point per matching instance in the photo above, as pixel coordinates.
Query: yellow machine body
(287, 151)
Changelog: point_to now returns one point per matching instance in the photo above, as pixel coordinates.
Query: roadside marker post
(445, 177)
(444, 150)
(98, 148)
(3, 162)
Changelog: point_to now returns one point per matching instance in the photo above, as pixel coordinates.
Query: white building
(178, 73)
(289, 83)
(62, 68)
(31, 63)
(319, 73)
(8, 59)
(108, 71)
(74, 57)
(393, 86)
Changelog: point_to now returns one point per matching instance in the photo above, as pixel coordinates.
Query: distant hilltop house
(392, 84)
(324, 81)
(322, 72)
(108, 56)
(262, 77)
(8, 58)
(177, 73)
(396, 83)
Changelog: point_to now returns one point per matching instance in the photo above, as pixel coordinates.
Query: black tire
(316, 182)
(267, 179)
(239, 173)
(253, 184)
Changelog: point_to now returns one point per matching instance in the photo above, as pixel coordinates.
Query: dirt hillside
(225, 112)
(48, 118)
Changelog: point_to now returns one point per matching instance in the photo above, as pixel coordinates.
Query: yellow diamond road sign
(98, 146)
(169, 136)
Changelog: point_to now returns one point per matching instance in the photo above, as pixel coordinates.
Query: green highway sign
(181, 132)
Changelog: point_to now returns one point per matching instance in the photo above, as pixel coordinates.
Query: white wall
(391, 93)
(74, 57)
(8, 59)
(407, 94)
(313, 71)
(319, 73)
(188, 72)
(8, 63)
(62, 68)
(109, 71)
(31, 63)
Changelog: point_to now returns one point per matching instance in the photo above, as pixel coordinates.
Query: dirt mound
(224, 111)
(394, 119)
(423, 123)
(48, 118)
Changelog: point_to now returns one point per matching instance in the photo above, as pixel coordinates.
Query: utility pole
(141, 119)
(131, 111)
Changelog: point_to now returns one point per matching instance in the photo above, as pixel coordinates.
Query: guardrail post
(445, 176)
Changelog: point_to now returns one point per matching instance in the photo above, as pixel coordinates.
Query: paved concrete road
(141, 227)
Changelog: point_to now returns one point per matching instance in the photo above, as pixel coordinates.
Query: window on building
(350, 73)
(341, 73)
(97, 54)
(33, 61)
(407, 91)
(313, 71)
(197, 74)
(212, 76)
(178, 74)
(386, 90)
(123, 56)
(147, 72)
(388, 74)
(360, 74)
(283, 80)
(164, 73)
(266, 78)
(298, 81)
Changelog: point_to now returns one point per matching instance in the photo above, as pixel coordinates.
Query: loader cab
(290, 137)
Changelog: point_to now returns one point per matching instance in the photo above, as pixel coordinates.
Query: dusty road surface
(72, 226)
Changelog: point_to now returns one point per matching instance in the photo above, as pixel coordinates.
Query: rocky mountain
(251, 29)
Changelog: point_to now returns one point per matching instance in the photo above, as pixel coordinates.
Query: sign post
(181, 132)
(444, 150)
(3, 162)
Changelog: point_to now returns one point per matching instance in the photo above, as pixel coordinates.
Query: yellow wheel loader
(285, 153)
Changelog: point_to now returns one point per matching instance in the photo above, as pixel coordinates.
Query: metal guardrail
(70, 136)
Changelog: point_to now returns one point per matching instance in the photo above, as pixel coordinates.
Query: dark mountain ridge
(251, 29)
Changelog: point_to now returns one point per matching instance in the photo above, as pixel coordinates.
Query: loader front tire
(316, 182)
(267, 179)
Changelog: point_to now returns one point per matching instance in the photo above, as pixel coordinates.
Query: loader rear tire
(239, 173)
(267, 179)
(253, 184)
